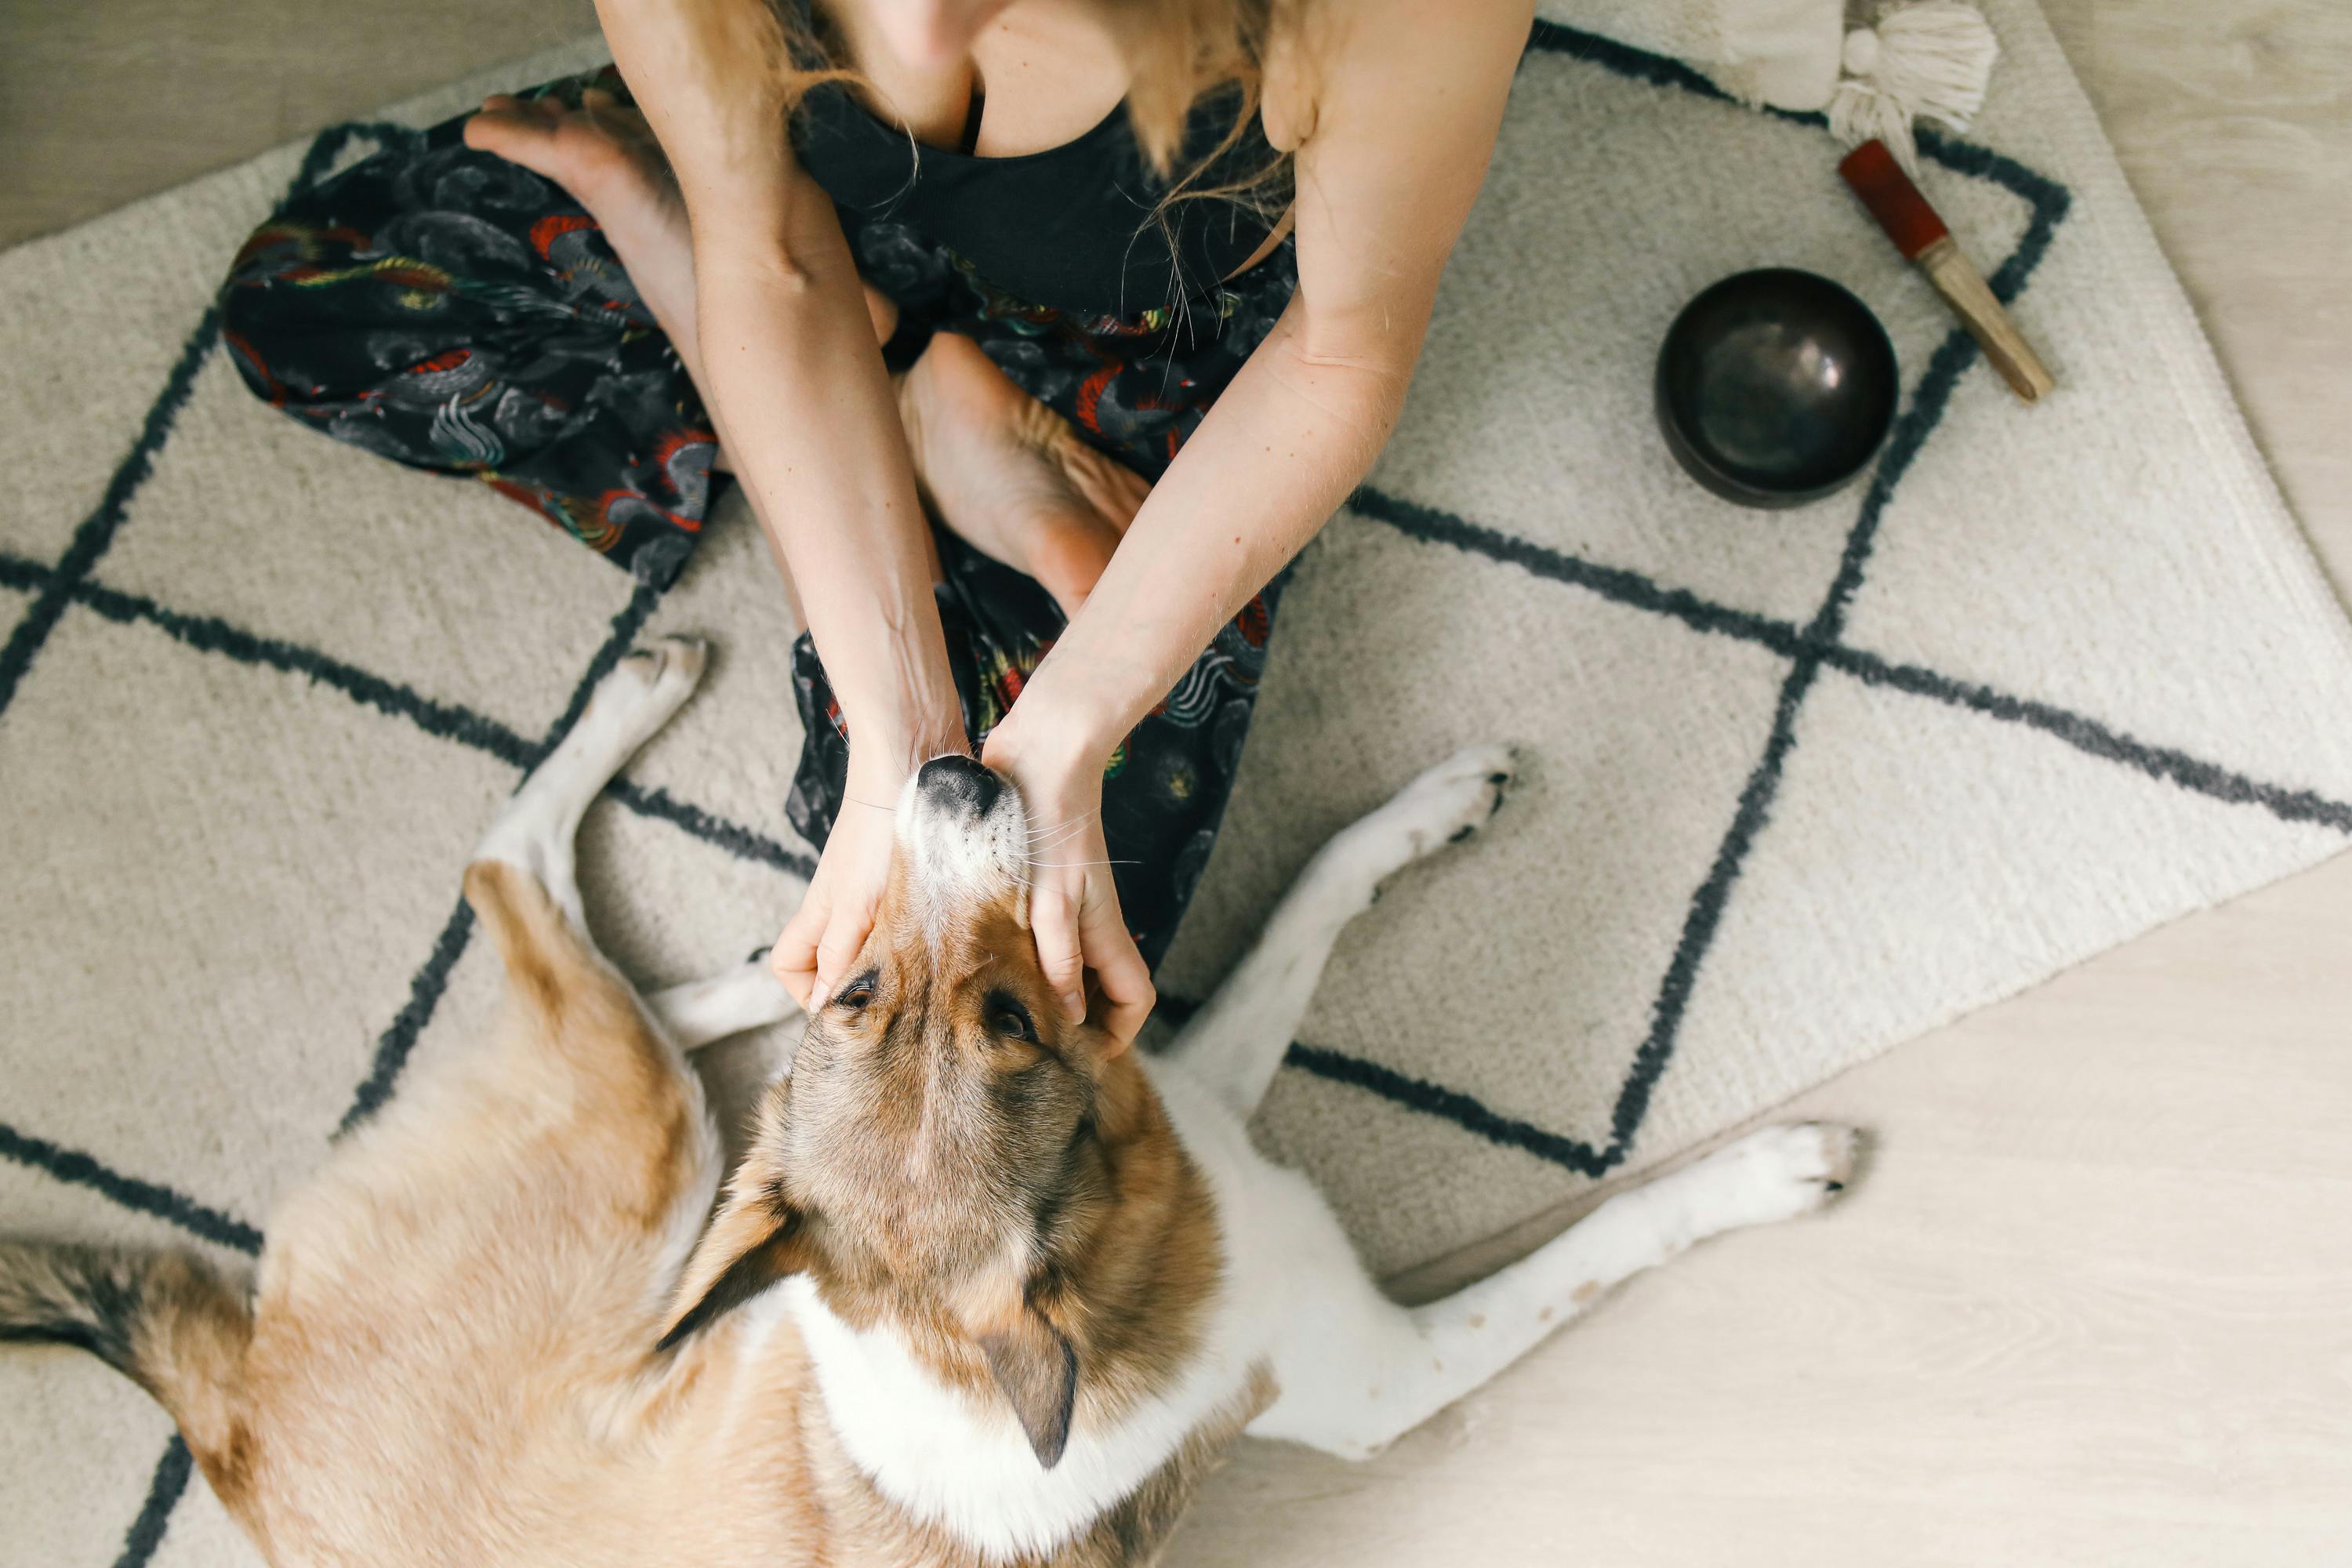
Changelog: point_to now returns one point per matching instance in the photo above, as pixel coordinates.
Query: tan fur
(195, 1335)
(450, 1358)
(909, 1126)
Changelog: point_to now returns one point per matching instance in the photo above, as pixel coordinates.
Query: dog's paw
(1774, 1173)
(1445, 805)
(666, 668)
(647, 685)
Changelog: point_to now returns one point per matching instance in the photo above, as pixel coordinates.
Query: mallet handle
(1963, 288)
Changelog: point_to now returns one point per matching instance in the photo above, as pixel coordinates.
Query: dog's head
(950, 1157)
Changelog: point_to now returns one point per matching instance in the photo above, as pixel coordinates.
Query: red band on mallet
(1892, 199)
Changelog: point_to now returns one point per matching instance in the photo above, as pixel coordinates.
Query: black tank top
(1071, 227)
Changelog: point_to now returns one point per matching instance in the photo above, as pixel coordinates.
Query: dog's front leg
(1356, 1377)
(703, 1010)
(1236, 1042)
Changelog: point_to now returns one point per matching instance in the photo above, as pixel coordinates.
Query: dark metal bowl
(1776, 387)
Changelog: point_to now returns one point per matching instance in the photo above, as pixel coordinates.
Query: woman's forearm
(1282, 449)
(808, 418)
(790, 368)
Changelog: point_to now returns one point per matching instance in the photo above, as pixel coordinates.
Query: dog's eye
(1011, 1019)
(857, 994)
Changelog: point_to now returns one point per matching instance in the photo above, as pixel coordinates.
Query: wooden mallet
(1923, 239)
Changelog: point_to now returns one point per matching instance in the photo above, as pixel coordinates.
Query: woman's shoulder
(1405, 55)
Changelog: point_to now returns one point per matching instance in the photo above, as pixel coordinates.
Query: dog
(985, 1288)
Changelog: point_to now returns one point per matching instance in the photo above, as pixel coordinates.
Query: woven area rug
(1797, 787)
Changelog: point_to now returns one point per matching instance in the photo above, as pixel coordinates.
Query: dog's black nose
(960, 781)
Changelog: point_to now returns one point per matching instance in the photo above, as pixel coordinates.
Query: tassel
(1930, 58)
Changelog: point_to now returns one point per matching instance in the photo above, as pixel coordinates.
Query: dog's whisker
(1082, 816)
(1064, 828)
(868, 804)
(1058, 840)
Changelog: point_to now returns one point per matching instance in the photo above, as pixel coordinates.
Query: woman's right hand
(823, 938)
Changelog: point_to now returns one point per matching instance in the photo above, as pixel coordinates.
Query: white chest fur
(962, 1462)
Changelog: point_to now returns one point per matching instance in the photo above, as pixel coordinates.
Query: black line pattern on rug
(1709, 901)
(2048, 204)
(443, 719)
(2092, 738)
(1945, 368)
(2168, 764)
(431, 980)
(96, 532)
(163, 1493)
(1465, 1111)
(209, 634)
(399, 1038)
(153, 1199)
(743, 842)
(1616, 584)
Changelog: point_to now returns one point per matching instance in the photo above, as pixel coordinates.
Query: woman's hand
(823, 938)
(1072, 904)
(836, 913)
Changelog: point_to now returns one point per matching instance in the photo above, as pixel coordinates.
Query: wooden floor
(2093, 1302)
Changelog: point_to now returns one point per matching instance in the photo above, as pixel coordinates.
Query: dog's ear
(1037, 1367)
(757, 1239)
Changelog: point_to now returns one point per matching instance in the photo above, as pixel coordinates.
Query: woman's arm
(805, 411)
(1404, 122)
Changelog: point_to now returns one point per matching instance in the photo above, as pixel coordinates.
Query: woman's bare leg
(1009, 476)
(999, 467)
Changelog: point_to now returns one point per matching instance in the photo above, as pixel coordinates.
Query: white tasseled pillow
(1924, 58)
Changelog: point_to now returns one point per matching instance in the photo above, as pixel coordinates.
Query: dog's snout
(960, 782)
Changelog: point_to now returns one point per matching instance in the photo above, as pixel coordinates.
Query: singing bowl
(1776, 387)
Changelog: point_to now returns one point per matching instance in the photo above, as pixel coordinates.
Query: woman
(1156, 271)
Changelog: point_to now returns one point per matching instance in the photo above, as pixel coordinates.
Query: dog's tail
(167, 1320)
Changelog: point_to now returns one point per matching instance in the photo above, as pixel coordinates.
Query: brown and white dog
(984, 1290)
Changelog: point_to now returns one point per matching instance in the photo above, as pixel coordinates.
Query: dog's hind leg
(576, 1007)
(703, 1010)
(1363, 1371)
(1236, 1041)
(536, 828)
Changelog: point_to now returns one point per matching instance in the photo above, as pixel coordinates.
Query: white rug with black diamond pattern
(1797, 787)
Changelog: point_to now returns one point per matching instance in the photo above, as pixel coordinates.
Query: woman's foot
(1009, 476)
(604, 156)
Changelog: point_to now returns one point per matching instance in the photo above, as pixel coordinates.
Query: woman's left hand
(1074, 909)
